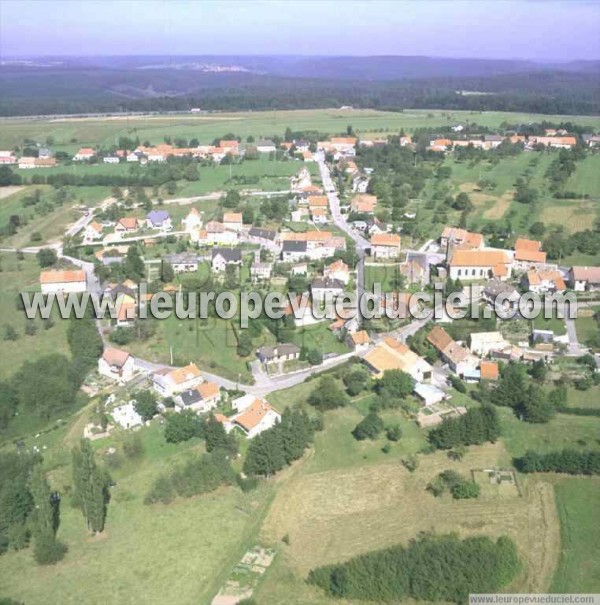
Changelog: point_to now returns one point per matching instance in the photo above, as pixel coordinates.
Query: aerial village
(319, 241)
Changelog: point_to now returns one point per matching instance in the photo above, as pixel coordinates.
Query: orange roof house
(529, 251)
(320, 201)
(363, 202)
(461, 238)
(127, 223)
(232, 217)
(56, 276)
(386, 239)
(477, 264)
(489, 370)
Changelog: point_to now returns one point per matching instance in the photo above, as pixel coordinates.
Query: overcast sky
(529, 29)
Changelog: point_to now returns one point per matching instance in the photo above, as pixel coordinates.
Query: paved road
(263, 387)
(339, 220)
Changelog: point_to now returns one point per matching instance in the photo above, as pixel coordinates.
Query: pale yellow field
(577, 216)
(495, 207)
(334, 515)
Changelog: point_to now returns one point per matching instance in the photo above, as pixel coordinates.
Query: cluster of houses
(189, 390)
(554, 139)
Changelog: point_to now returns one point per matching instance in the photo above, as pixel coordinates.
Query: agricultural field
(366, 507)
(68, 134)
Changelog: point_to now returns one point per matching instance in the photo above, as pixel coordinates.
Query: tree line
(431, 568)
(566, 461)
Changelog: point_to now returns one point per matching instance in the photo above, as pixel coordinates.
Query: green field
(579, 566)
(146, 554)
(18, 276)
(493, 205)
(563, 431)
(71, 133)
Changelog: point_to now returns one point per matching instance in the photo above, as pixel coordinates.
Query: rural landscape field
(187, 415)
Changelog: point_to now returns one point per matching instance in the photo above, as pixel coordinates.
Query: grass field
(492, 205)
(383, 275)
(555, 324)
(586, 326)
(18, 276)
(579, 565)
(71, 133)
(146, 554)
(563, 431)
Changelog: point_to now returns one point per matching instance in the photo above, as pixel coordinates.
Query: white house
(92, 232)
(159, 219)
(116, 364)
(428, 393)
(85, 153)
(255, 418)
(7, 157)
(168, 382)
(265, 146)
(278, 353)
(192, 221)
(221, 257)
(111, 159)
(385, 245)
(126, 416)
(184, 262)
(214, 233)
(200, 399)
(261, 271)
(233, 221)
(482, 343)
(301, 181)
(67, 280)
(338, 270)
(322, 288)
(479, 264)
(584, 278)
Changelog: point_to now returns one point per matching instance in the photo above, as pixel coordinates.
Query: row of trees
(430, 568)
(567, 461)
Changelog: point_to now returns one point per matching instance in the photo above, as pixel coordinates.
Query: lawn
(563, 431)
(586, 178)
(209, 343)
(386, 276)
(50, 225)
(555, 324)
(586, 326)
(18, 276)
(272, 176)
(579, 566)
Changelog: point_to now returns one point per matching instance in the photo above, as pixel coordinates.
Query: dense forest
(69, 91)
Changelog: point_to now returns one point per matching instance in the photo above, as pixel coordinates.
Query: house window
(459, 272)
